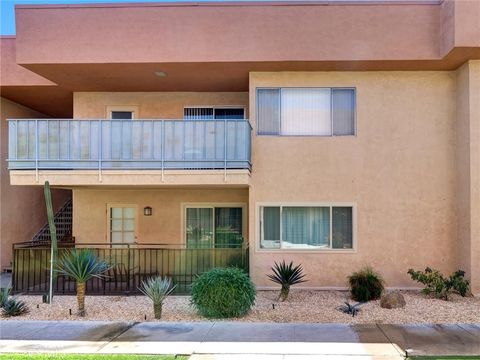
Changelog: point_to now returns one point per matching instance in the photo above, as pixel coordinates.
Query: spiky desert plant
(350, 309)
(14, 307)
(157, 289)
(4, 294)
(366, 284)
(81, 265)
(286, 276)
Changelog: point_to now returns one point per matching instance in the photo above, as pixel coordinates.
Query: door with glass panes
(214, 226)
(122, 224)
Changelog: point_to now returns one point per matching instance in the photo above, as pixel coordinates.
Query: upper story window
(121, 115)
(306, 111)
(212, 113)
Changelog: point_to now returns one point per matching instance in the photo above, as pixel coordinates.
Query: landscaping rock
(392, 300)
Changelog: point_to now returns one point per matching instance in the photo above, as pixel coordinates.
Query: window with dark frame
(121, 115)
(214, 113)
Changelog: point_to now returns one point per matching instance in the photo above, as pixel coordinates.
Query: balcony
(126, 152)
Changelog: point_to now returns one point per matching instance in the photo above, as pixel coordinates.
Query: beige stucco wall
(22, 208)
(150, 105)
(468, 170)
(165, 224)
(399, 170)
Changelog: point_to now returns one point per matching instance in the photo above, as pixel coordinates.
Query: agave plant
(350, 309)
(157, 289)
(81, 265)
(4, 294)
(14, 307)
(286, 275)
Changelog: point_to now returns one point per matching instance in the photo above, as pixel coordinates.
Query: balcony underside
(69, 178)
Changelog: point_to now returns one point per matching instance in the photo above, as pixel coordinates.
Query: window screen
(268, 111)
(343, 111)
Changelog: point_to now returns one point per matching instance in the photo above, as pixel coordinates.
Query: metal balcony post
(100, 124)
(225, 149)
(36, 150)
(163, 147)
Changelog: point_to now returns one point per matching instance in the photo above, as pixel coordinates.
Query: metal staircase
(63, 223)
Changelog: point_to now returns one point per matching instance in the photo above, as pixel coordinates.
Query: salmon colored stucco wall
(22, 208)
(151, 105)
(165, 224)
(399, 170)
(468, 170)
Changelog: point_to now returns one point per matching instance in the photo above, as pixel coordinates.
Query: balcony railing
(128, 144)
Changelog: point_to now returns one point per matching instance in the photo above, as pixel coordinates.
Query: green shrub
(14, 307)
(223, 293)
(286, 275)
(366, 284)
(439, 286)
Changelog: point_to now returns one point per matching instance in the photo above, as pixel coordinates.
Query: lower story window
(306, 227)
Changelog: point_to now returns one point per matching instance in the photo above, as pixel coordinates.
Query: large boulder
(392, 300)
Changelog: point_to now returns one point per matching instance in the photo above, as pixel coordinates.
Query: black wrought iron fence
(130, 265)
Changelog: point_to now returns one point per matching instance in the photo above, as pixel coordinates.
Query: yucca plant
(4, 294)
(157, 289)
(14, 307)
(81, 265)
(286, 275)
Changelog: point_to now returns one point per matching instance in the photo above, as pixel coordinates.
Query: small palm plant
(82, 265)
(157, 289)
(286, 275)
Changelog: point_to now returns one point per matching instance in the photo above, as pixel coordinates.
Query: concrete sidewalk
(214, 340)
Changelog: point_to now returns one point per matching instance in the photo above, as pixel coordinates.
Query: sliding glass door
(214, 227)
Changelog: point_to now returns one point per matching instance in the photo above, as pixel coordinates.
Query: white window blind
(306, 111)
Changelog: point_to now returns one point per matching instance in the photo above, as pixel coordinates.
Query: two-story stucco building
(332, 134)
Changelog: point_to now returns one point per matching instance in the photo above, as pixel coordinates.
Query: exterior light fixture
(161, 73)
(147, 211)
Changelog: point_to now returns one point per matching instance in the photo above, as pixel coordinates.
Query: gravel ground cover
(302, 306)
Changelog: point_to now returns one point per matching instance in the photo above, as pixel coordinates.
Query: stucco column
(468, 171)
